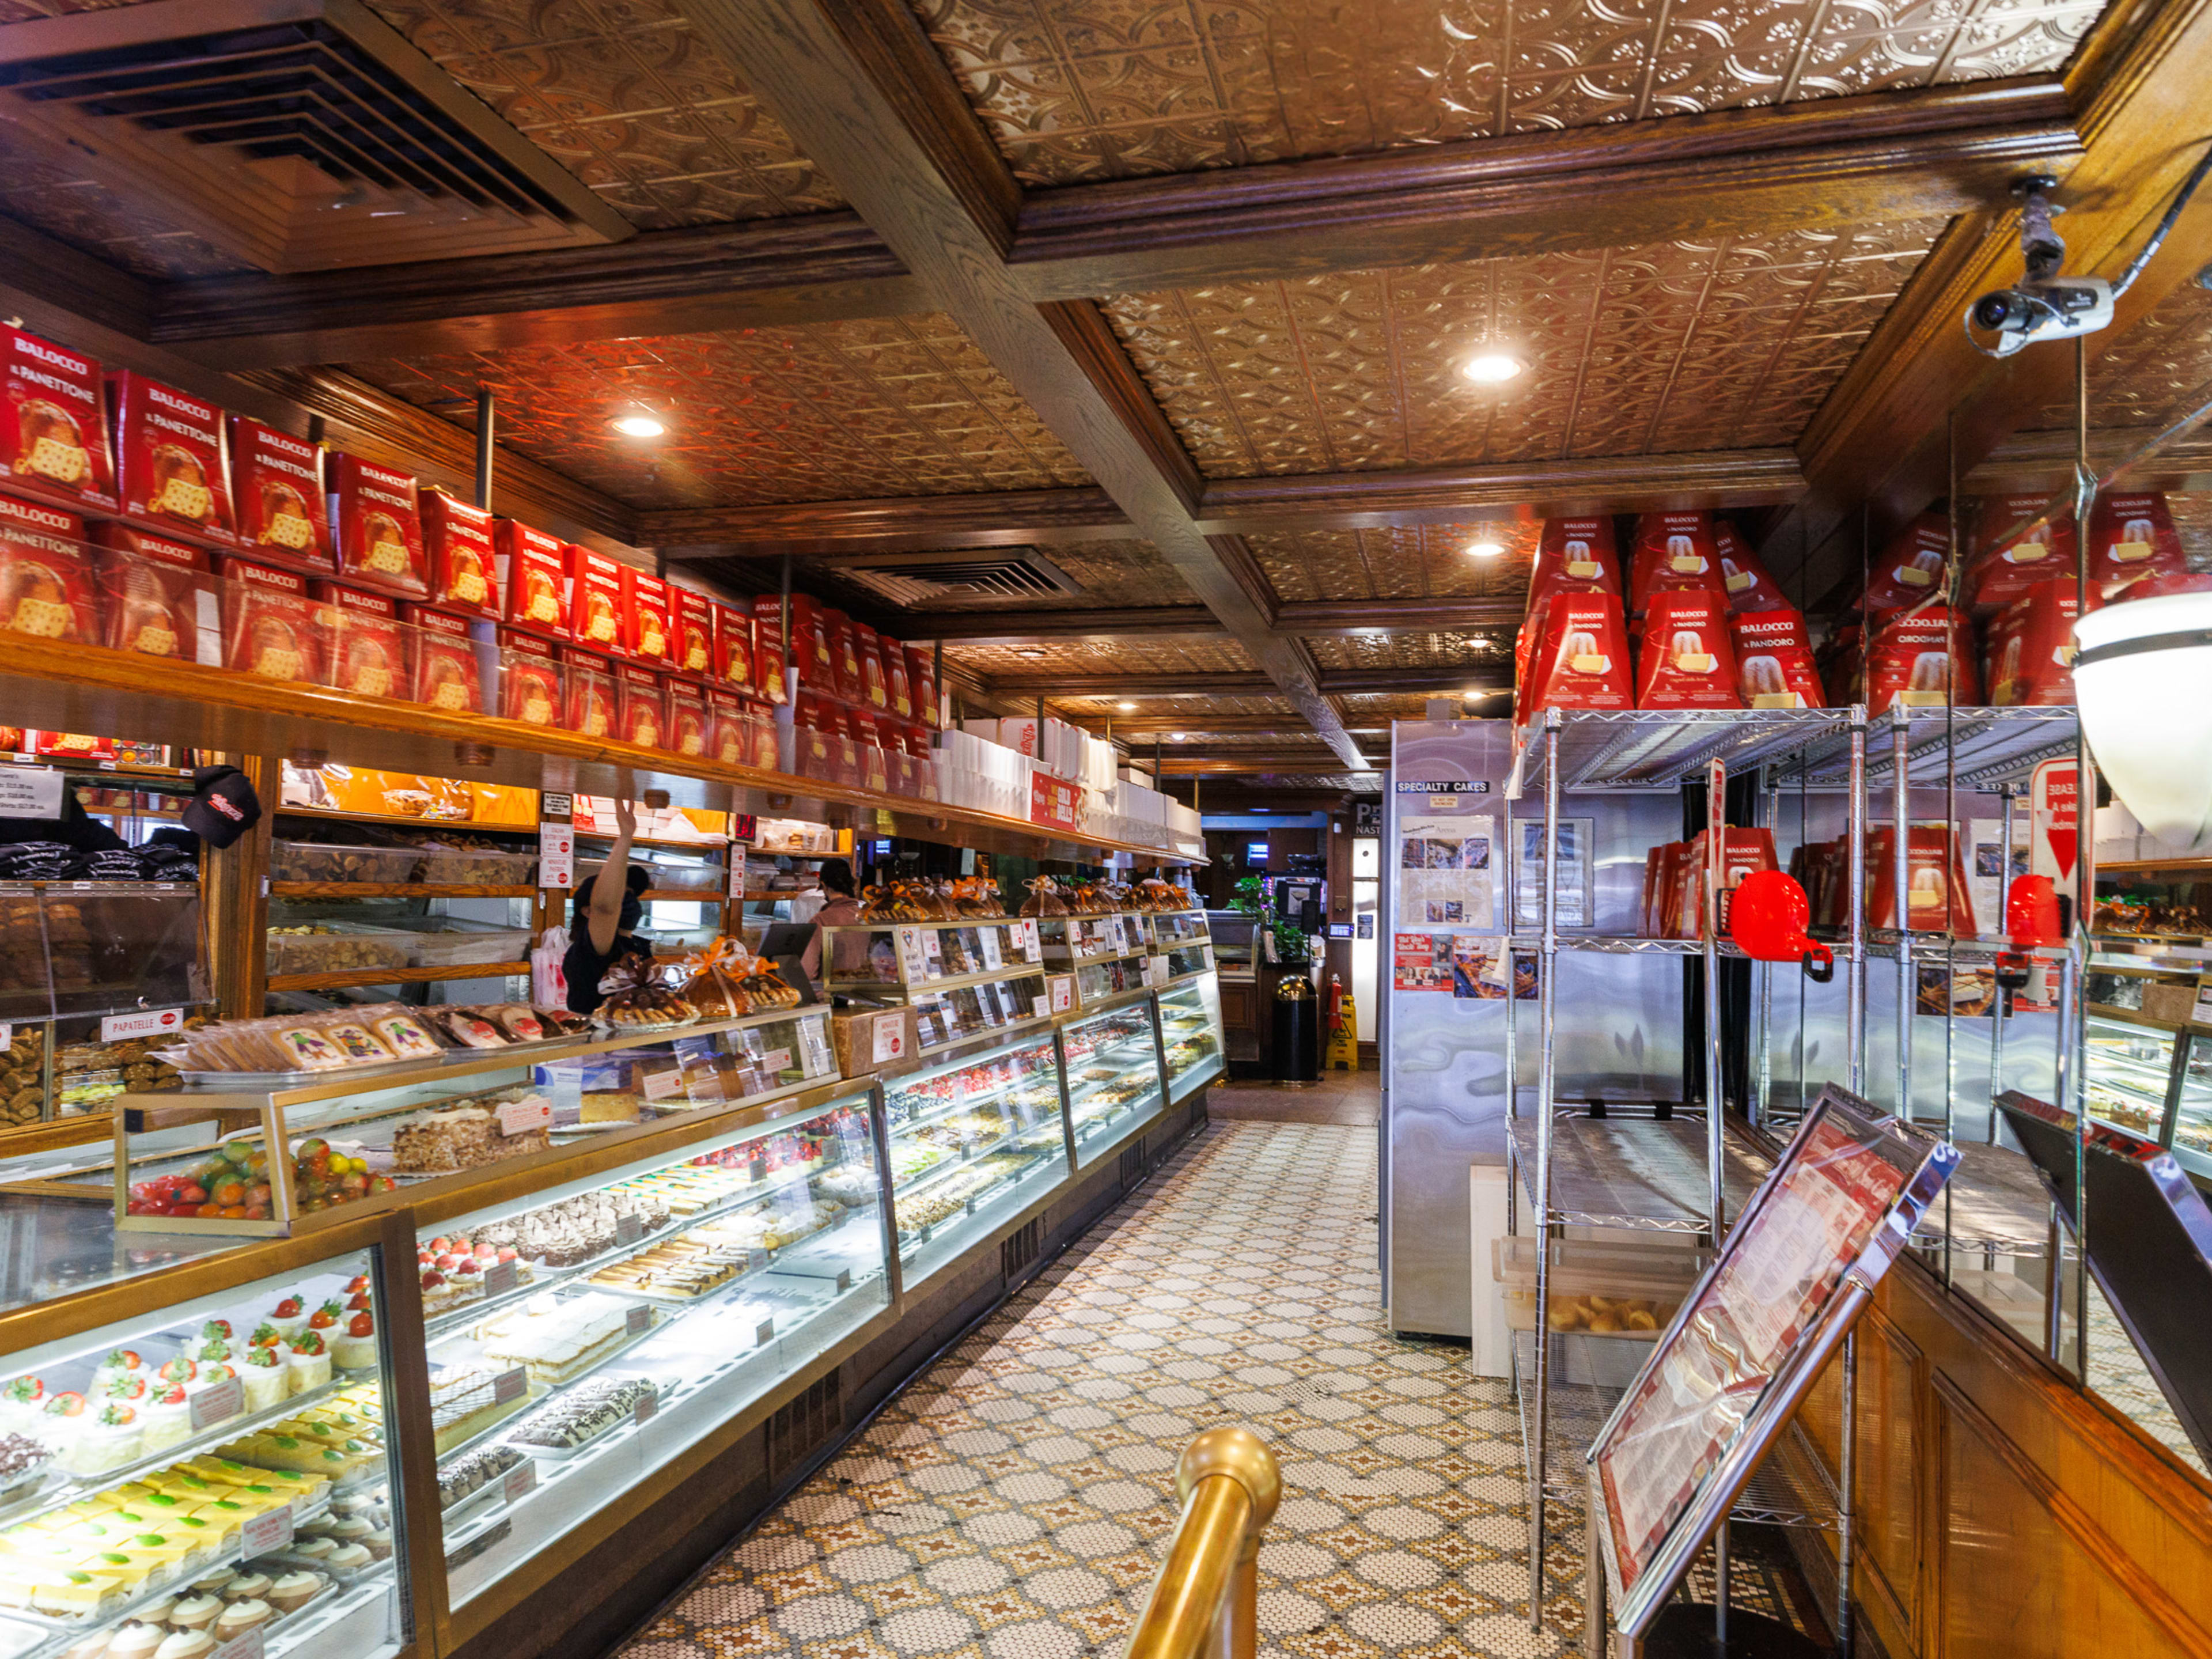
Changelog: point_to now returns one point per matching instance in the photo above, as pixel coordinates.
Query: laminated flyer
(1446, 877)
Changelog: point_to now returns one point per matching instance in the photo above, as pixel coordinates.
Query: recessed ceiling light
(1485, 549)
(1178, 735)
(1491, 368)
(638, 426)
(1029, 654)
(1128, 708)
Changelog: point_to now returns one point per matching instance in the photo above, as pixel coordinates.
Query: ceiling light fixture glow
(2143, 676)
(1485, 549)
(1128, 708)
(1032, 654)
(638, 426)
(1491, 368)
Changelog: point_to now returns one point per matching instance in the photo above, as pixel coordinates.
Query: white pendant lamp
(2142, 675)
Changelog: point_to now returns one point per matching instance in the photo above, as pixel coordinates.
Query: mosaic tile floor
(1013, 1502)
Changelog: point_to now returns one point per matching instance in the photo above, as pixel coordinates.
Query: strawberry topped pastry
(289, 1317)
(326, 1317)
(265, 1335)
(178, 1372)
(354, 1349)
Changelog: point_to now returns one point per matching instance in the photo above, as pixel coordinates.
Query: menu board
(1814, 1218)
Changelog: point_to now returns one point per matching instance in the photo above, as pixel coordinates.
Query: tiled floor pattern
(1354, 1098)
(1014, 1502)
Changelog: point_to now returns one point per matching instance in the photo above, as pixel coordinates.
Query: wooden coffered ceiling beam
(1304, 618)
(1005, 517)
(1337, 618)
(1335, 683)
(1140, 729)
(1928, 152)
(863, 94)
(1883, 438)
(1231, 763)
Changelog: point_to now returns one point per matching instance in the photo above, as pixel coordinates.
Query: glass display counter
(2191, 1143)
(963, 979)
(973, 1142)
(206, 1475)
(2131, 1075)
(1091, 938)
(1191, 1034)
(1170, 928)
(584, 1337)
(1114, 1079)
(397, 1132)
(99, 947)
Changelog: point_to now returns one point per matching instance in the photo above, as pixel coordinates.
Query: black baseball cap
(223, 805)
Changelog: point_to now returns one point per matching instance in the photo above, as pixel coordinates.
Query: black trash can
(1295, 1043)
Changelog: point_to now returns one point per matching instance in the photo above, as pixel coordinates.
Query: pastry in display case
(370, 1101)
(2191, 1141)
(1191, 1034)
(97, 947)
(1170, 928)
(973, 1142)
(1090, 937)
(963, 979)
(1114, 1077)
(2130, 1071)
(582, 1337)
(179, 1480)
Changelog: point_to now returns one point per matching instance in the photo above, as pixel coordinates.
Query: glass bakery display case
(1191, 1034)
(393, 1131)
(1115, 1081)
(1171, 928)
(1091, 938)
(973, 1141)
(962, 979)
(208, 1474)
(2190, 1142)
(99, 947)
(2131, 1075)
(582, 1338)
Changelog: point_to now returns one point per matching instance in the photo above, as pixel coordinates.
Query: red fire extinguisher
(1335, 1000)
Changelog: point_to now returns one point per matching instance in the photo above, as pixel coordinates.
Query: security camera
(2058, 309)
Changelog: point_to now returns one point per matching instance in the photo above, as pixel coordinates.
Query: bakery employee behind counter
(603, 925)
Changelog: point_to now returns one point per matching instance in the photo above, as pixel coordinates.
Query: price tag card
(1063, 992)
(756, 1259)
(648, 1407)
(764, 1333)
(521, 1480)
(501, 1277)
(146, 1023)
(556, 854)
(777, 1060)
(932, 946)
(31, 792)
(246, 1644)
(1039, 1006)
(628, 1229)
(510, 1384)
(211, 1405)
(889, 1043)
(844, 1276)
(736, 856)
(911, 955)
(660, 1086)
(988, 939)
(518, 1117)
(637, 1322)
(267, 1532)
(7, 1036)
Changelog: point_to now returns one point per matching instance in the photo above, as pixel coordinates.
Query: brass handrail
(1205, 1600)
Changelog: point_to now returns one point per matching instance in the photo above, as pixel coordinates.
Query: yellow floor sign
(1344, 1035)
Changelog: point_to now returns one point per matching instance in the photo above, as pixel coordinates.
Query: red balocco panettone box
(271, 626)
(1581, 659)
(279, 493)
(595, 601)
(1905, 662)
(874, 694)
(687, 717)
(923, 750)
(844, 656)
(922, 680)
(844, 743)
(376, 515)
(770, 660)
(2029, 654)
(767, 742)
(2011, 557)
(463, 557)
(1937, 899)
(1744, 574)
(898, 683)
(650, 633)
(733, 645)
(53, 423)
(47, 585)
(587, 682)
(529, 678)
(157, 596)
(641, 706)
(811, 756)
(1675, 552)
(807, 648)
(1774, 664)
(532, 568)
(692, 617)
(1687, 660)
(365, 645)
(729, 730)
(1911, 569)
(446, 674)
(173, 466)
(2131, 537)
(1743, 850)
(1574, 555)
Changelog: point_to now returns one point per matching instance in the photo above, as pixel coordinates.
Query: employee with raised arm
(603, 924)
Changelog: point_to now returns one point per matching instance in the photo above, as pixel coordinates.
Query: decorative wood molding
(1234, 764)
(862, 92)
(1926, 153)
(1082, 328)
(1006, 517)
(1326, 618)
(822, 267)
(1029, 627)
(1055, 686)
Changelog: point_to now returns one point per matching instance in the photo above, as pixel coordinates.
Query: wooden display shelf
(84, 1129)
(2172, 869)
(343, 977)
(398, 820)
(57, 686)
(341, 890)
(769, 893)
(661, 841)
(687, 894)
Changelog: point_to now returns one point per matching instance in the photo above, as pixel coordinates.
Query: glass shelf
(874, 959)
(972, 1143)
(2130, 1072)
(1191, 1034)
(98, 947)
(1114, 1080)
(2191, 1141)
(1091, 938)
(1174, 928)
(191, 1470)
(609, 1324)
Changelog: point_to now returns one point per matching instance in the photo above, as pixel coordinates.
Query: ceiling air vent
(916, 579)
(298, 135)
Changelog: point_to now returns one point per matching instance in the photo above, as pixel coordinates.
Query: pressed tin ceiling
(1115, 89)
(879, 407)
(2152, 374)
(1485, 653)
(1121, 655)
(1111, 575)
(1638, 351)
(1189, 711)
(1399, 561)
(87, 214)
